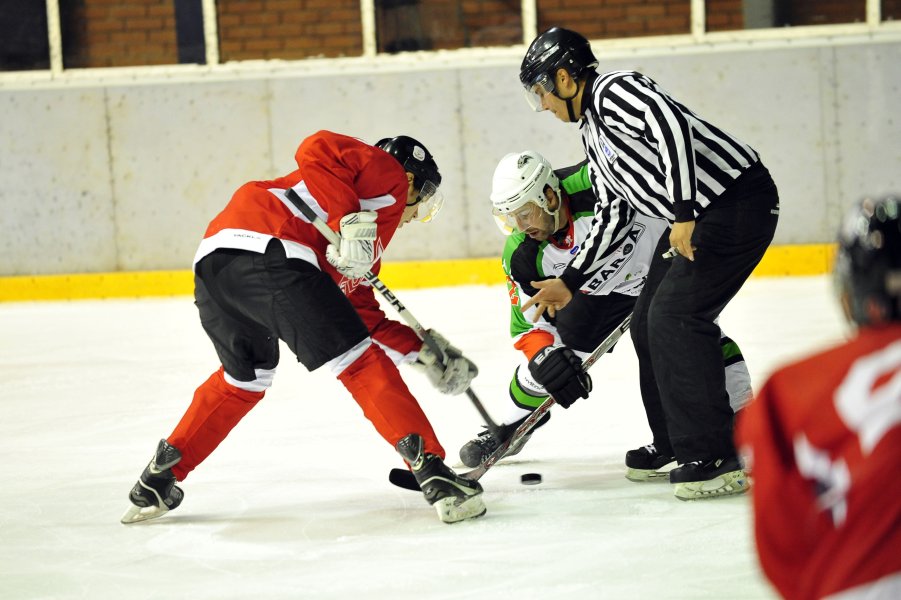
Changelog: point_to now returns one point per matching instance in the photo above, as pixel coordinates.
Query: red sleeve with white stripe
(346, 175)
(398, 340)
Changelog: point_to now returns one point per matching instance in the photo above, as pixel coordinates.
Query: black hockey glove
(559, 370)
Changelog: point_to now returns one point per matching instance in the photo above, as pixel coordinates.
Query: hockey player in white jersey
(547, 215)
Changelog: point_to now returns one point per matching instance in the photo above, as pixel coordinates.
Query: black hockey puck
(530, 478)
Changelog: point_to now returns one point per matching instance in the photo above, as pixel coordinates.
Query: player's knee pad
(738, 379)
(338, 364)
(261, 382)
(525, 391)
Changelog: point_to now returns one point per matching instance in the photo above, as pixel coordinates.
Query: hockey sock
(217, 407)
(386, 401)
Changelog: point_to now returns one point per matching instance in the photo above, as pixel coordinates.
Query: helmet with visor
(556, 48)
(416, 159)
(518, 189)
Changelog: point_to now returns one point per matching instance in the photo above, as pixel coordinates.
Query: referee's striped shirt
(647, 153)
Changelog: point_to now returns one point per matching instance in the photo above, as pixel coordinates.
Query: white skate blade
(450, 512)
(655, 475)
(727, 484)
(136, 514)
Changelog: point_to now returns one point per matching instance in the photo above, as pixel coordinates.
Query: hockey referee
(648, 153)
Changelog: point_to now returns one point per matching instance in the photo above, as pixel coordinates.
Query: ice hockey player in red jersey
(824, 435)
(264, 273)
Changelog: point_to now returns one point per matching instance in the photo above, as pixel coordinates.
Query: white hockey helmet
(520, 178)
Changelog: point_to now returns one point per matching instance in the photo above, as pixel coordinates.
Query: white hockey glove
(452, 378)
(354, 255)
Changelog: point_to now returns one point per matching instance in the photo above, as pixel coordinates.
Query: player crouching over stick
(263, 273)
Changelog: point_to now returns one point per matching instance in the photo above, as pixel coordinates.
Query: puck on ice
(530, 478)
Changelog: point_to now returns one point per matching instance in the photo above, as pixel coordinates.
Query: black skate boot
(155, 493)
(647, 464)
(709, 479)
(477, 450)
(455, 498)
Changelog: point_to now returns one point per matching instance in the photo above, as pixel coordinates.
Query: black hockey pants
(673, 330)
(248, 301)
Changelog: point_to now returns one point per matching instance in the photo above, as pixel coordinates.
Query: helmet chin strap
(569, 108)
(557, 224)
(569, 103)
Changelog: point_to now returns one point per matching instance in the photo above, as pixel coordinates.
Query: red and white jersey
(824, 442)
(336, 175)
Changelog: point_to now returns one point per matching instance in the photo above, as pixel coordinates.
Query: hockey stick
(333, 238)
(405, 479)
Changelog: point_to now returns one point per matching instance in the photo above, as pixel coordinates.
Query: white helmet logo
(522, 161)
(418, 153)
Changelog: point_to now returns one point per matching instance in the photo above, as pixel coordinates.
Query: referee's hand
(552, 296)
(680, 239)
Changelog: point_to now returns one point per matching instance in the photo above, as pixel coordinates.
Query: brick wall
(724, 15)
(606, 19)
(118, 33)
(106, 33)
(288, 29)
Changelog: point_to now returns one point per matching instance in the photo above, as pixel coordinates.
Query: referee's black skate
(155, 493)
(454, 498)
(477, 450)
(709, 479)
(648, 464)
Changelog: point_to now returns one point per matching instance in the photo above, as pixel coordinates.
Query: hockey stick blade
(522, 431)
(403, 478)
(526, 426)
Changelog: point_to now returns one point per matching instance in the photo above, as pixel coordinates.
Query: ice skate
(477, 450)
(709, 479)
(454, 498)
(648, 464)
(155, 493)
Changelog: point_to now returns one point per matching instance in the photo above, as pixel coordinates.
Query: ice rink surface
(296, 502)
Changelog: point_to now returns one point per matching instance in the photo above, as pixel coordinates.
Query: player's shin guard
(375, 384)
(217, 407)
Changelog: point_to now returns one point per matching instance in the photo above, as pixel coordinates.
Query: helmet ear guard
(416, 159)
(521, 178)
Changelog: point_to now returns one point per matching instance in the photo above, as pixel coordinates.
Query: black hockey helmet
(556, 48)
(416, 159)
(868, 264)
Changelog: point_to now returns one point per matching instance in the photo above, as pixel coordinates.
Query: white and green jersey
(623, 271)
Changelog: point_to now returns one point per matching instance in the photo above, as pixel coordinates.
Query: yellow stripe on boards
(805, 259)
(799, 259)
(132, 284)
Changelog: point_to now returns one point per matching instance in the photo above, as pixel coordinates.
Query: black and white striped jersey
(648, 153)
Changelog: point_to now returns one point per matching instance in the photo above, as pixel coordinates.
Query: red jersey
(336, 175)
(824, 441)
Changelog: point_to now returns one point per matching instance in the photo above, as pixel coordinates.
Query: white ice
(296, 502)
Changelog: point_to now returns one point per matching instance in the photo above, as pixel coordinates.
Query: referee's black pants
(673, 329)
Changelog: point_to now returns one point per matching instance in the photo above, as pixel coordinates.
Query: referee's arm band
(684, 211)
